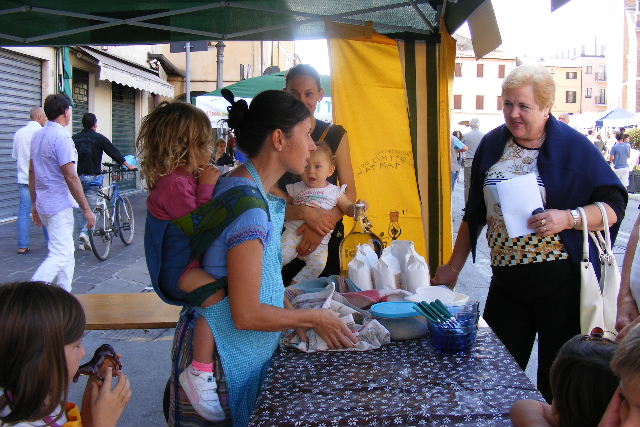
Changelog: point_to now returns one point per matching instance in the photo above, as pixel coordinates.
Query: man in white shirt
(472, 140)
(55, 190)
(22, 154)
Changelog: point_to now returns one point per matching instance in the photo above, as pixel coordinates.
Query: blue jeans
(24, 218)
(91, 193)
(454, 179)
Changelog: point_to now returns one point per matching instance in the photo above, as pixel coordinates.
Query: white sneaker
(200, 388)
(83, 242)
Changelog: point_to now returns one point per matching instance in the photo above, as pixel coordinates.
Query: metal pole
(220, 60)
(187, 94)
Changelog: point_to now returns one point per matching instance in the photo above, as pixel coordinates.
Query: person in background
(21, 153)
(303, 82)
(624, 408)
(457, 147)
(619, 156)
(41, 349)
(534, 274)
(220, 155)
(55, 190)
(564, 118)
(599, 143)
(471, 140)
(90, 146)
(582, 384)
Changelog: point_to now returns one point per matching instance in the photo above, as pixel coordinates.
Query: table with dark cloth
(403, 383)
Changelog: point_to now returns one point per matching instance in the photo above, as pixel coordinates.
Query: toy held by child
(41, 348)
(582, 384)
(314, 190)
(175, 144)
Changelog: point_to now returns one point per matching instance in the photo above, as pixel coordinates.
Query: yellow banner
(369, 100)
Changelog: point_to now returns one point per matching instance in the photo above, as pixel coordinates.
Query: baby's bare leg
(203, 342)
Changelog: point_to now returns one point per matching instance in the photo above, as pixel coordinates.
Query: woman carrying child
(303, 82)
(245, 253)
(314, 190)
(40, 349)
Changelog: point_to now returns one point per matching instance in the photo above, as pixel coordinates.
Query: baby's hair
(626, 361)
(324, 149)
(269, 110)
(37, 320)
(174, 134)
(582, 383)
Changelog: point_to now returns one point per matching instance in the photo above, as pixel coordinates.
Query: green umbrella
(249, 88)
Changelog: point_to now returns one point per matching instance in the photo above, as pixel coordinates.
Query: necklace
(538, 142)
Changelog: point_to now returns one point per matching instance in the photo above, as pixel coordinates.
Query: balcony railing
(601, 100)
(601, 77)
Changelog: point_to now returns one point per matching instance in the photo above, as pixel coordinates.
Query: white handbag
(598, 300)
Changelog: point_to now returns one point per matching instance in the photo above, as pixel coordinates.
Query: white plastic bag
(416, 272)
(360, 271)
(387, 272)
(401, 249)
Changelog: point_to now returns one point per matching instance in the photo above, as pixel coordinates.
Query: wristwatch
(575, 216)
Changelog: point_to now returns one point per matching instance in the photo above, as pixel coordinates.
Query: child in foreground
(40, 349)
(314, 190)
(582, 384)
(175, 144)
(624, 408)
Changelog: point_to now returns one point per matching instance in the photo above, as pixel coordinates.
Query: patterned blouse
(516, 160)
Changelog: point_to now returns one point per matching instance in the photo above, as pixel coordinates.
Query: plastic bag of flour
(360, 271)
(416, 272)
(387, 272)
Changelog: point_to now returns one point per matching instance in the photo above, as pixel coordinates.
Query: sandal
(23, 251)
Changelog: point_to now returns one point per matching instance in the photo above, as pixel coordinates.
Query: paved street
(146, 354)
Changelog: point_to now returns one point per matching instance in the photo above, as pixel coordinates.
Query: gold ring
(543, 222)
(544, 229)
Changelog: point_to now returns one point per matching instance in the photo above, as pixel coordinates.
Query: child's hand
(209, 174)
(107, 404)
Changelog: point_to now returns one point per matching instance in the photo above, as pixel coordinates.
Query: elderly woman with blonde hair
(535, 284)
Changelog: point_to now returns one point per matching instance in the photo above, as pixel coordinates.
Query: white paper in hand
(519, 196)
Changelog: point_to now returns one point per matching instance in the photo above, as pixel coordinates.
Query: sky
(528, 28)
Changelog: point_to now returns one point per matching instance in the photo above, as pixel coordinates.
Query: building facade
(477, 86)
(116, 83)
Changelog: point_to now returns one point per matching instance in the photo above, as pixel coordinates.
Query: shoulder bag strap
(585, 235)
(323, 136)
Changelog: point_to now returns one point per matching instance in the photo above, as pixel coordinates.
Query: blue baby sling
(171, 245)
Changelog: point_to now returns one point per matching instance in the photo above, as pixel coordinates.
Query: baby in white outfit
(313, 190)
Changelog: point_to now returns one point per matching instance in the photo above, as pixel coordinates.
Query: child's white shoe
(201, 389)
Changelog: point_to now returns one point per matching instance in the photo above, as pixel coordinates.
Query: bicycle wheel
(125, 220)
(100, 235)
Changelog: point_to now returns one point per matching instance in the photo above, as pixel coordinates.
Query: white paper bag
(386, 272)
(416, 272)
(360, 271)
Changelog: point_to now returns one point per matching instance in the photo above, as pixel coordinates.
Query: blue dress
(245, 355)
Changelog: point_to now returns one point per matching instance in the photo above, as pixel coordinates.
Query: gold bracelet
(455, 271)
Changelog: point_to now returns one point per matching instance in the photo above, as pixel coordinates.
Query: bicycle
(113, 211)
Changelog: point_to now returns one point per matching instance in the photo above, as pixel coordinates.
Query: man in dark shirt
(90, 146)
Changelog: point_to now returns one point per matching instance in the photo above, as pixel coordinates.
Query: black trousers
(542, 298)
(333, 259)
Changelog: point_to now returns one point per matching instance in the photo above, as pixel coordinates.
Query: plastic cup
(461, 337)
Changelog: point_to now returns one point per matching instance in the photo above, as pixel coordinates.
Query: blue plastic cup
(458, 336)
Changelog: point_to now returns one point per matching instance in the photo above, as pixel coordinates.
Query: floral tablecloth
(403, 383)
